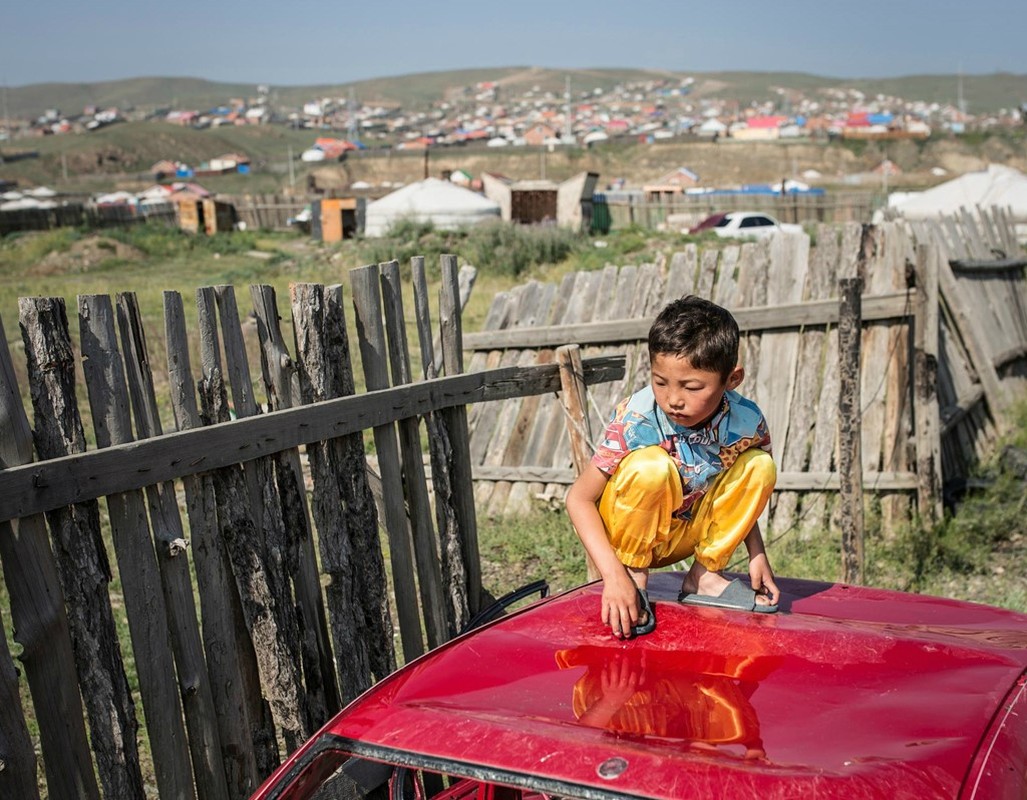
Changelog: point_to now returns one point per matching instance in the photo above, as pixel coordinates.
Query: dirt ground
(84, 255)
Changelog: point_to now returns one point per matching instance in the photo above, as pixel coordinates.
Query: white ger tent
(997, 185)
(444, 204)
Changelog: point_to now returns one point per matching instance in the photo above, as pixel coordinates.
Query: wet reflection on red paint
(702, 700)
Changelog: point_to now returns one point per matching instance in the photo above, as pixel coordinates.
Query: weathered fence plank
(371, 332)
(41, 629)
(343, 507)
(504, 428)
(277, 497)
(279, 377)
(925, 384)
(429, 571)
(17, 760)
(581, 306)
(275, 649)
(455, 419)
(773, 385)
(849, 421)
(173, 564)
(793, 453)
(85, 573)
(137, 566)
(231, 662)
(454, 571)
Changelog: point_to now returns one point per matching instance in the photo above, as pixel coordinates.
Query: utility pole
(960, 102)
(292, 172)
(568, 122)
(352, 116)
(7, 118)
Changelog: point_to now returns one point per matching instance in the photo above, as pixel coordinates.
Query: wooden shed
(336, 218)
(205, 215)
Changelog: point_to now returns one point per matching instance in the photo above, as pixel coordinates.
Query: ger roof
(846, 692)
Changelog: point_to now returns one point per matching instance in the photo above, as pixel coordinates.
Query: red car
(846, 692)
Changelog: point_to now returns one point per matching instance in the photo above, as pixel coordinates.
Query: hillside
(983, 93)
(119, 156)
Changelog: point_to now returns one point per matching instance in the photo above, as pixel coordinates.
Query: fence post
(271, 629)
(173, 563)
(574, 398)
(41, 628)
(849, 430)
(231, 662)
(343, 505)
(279, 373)
(454, 572)
(276, 496)
(367, 302)
(17, 761)
(137, 566)
(455, 420)
(429, 572)
(925, 380)
(85, 572)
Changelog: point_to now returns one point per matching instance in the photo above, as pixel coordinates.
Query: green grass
(979, 554)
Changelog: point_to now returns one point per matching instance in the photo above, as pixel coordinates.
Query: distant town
(488, 113)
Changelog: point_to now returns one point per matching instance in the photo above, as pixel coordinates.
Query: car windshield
(329, 773)
(723, 222)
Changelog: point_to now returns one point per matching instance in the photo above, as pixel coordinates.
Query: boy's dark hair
(703, 332)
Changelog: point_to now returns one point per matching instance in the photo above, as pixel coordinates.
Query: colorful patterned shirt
(699, 453)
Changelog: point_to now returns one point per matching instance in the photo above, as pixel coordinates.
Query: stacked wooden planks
(983, 367)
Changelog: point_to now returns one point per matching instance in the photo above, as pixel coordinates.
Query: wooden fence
(80, 214)
(270, 653)
(928, 406)
(834, 207)
(274, 655)
(267, 211)
(983, 363)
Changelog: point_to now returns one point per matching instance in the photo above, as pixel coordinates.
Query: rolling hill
(983, 93)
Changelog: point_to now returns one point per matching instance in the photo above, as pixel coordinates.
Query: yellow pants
(638, 503)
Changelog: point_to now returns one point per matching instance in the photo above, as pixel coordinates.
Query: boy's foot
(735, 595)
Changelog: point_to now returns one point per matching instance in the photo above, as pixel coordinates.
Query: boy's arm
(760, 573)
(620, 595)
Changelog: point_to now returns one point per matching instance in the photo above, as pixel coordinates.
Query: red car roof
(847, 692)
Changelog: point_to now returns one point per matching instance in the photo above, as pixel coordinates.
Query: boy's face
(689, 396)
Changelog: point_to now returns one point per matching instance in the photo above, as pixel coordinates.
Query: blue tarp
(763, 188)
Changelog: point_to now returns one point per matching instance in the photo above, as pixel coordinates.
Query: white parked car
(738, 224)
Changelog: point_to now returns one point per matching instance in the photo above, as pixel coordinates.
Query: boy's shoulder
(744, 420)
(740, 402)
(642, 403)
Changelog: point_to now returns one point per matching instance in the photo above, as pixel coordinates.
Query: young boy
(684, 469)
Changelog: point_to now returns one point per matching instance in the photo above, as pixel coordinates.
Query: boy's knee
(648, 470)
(758, 468)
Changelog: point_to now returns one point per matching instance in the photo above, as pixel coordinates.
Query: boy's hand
(620, 603)
(762, 577)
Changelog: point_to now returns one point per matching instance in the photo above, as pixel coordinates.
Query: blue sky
(304, 42)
